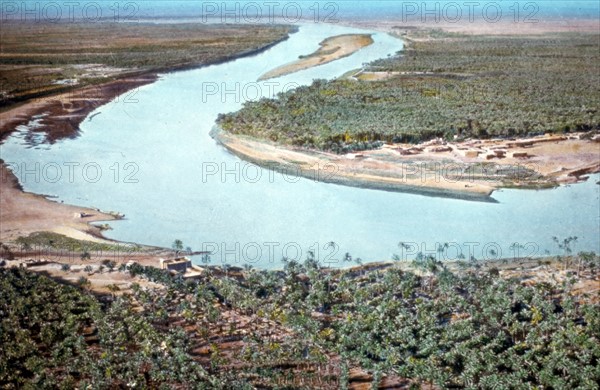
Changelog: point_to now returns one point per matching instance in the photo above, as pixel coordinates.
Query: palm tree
(404, 246)
(83, 282)
(441, 248)
(25, 246)
(206, 259)
(347, 258)
(586, 258)
(565, 246)
(358, 261)
(177, 246)
(516, 248)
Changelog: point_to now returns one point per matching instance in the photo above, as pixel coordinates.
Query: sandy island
(331, 49)
(471, 169)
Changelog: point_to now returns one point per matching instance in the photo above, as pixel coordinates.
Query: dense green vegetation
(55, 336)
(445, 86)
(465, 329)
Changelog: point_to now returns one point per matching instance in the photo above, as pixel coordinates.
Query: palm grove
(274, 329)
(444, 86)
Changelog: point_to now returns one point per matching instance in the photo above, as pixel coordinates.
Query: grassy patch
(54, 241)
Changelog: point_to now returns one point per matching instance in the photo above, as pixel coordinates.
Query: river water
(148, 154)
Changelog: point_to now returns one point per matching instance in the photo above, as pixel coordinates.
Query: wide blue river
(148, 154)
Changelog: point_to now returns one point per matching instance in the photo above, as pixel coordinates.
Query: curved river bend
(161, 168)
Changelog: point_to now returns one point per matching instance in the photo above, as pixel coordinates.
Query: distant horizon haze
(267, 11)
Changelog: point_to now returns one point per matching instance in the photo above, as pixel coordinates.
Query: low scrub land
(38, 59)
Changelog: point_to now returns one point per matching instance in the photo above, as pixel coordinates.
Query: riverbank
(23, 213)
(332, 49)
(41, 59)
(61, 114)
(58, 115)
(464, 170)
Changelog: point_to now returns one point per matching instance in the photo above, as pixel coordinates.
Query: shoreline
(24, 213)
(365, 177)
(61, 114)
(303, 163)
(430, 171)
(67, 110)
(64, 112)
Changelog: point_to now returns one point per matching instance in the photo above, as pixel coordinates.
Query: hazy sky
(322, 11)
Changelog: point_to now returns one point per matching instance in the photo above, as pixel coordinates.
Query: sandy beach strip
(465, 170)
(332, 49)
(340, 169)
(23, 213)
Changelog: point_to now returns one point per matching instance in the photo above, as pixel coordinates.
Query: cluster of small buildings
(181, 265)
(474, 148)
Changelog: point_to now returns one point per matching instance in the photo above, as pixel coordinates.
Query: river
(148, 155)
